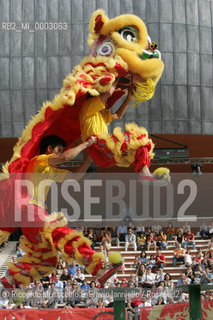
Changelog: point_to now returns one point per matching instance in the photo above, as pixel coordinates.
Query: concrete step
(6, 256)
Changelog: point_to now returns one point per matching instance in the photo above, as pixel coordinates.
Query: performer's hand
(91, 140)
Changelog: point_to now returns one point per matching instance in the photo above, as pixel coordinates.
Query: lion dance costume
(120, 48)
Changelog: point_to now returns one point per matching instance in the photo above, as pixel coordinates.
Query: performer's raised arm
(59, 156)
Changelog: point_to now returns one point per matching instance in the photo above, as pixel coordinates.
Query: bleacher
(129, 257)
(6, 255)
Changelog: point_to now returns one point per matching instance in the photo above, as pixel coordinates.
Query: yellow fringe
(12, 267)
(95, 259)
(4, 235)
(24, 280)
(132, 146)
(162, 173)
(76, 244)
(28, 259)
(55, 220)
(40, 271)
(63, 241)
(29, 247)
(144, 91)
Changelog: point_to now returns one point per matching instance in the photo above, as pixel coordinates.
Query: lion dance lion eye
(128, 35)
(106, 49)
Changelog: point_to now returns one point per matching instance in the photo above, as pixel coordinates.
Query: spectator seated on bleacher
(211, 229)
(132, 280)
(207, 277)
(106, 241)
(130, 307)
(136, 262)
(79, 277)
(168, 281)
(65, 277)
(73, 268)
(76, 295)
(179, 237)
(59, 286)
(141, 269)
(151, 242)
(4, 301)
(198, 275)
(123, 283)
(59, 269)
(189, 240)
(211, 260)
(204, 231)
(185, 228)
(160, 276)
(170, 231)
(160, 301)
(162, 240)
(53, 276)
(197, 259)
(210, 245)
(85, 286)
(90, 235)
(130, 240)
(141, 241)
(183, 280)
(148, 279)
(156, 228)
(148, 231)
(179, 255)
(151, 261)
(114, 236)
(122, 231)
(143, 258)
(190, 274)
(140, 229)
(45, 281)
(19, 252)
(188, 258)
(52, 297)
(68, 291)
(160, 259)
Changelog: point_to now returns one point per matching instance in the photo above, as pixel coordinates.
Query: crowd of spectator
(68, 287)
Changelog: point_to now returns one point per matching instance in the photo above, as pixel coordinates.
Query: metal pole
(119, 310)
(194, 302)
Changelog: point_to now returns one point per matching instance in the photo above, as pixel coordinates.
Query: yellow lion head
(125, 36)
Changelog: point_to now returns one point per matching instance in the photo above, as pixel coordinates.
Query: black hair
(52, 141)
(143, 251)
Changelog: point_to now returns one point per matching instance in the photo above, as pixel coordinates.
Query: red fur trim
(68, 248)
(141, 157)
(105, 80)
(59, 233)
(101, 154)
(121, 71)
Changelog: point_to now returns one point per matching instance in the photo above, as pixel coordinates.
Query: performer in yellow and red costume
(122, 58)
